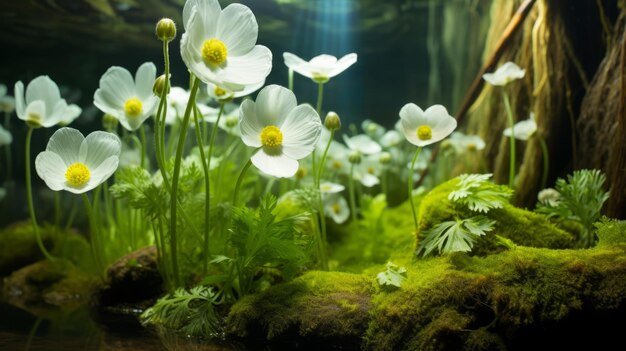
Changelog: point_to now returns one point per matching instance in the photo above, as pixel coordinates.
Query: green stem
(57, 208)
(95, 240)
(32, 332)
(29, 197)
(239, 180)
(546, 161)
(175, 178)
(509, 112)
(291, 79)
(207, 186)
(142, 134)
(322, 218)
(320, 172)
(410, 183)
(352, 196)
(320, 97)
(384, 183)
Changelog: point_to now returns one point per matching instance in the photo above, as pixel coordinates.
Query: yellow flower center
(325, 187)
(336, 208)
(337, 164)
(471, 147)
(33, 120)
(300, 173)
(133, 107)
(271, 136)
(370, 170)
(219, 92)
(424, 132)
(320, 78)
(214, 52)
(232, 121)
(77, 174)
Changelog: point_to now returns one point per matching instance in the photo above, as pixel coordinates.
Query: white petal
(99, 146)
(250, 68)
(363, 144)
(43, 88)
(118, 86)
(249, 89)
(331, 188)
(100, 174)
(301, 131)
(275, 165)
(343, 64)
(324, 61)
(51, 168)
(238, 29)
(144, 80)
(292, 60)
(273, 104)
(369, 180)
(209, 11)
(66, 142)
(38, 108)
(391, 138)
(249, 124)
(20, 105)
(340, 203)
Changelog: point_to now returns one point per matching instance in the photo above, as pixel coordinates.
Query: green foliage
(140, 189)
(189, 312)
(581, 199)
(479, 195)
(455, 236)
(259, 243)
(393, 276)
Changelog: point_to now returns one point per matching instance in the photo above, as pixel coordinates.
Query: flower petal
(43, 88)
(20, 105)
(249, 68)
(144, 80)
(209, 10)
(51, 168)
(66, 142)
(362, 143)
(249, 124)
(273, 104)
(343, 64)
(103, 172)
(277, 165)
(292, 61)
(301, 131)
(238, 29)
(99, 146)
(118, 84)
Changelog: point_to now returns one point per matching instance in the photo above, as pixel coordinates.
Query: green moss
(321, 304)
(19, 246)
(521, 226)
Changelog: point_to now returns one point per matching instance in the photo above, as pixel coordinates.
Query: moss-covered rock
(19, 247)
(521, 226)
(319, 307)
(509, 300)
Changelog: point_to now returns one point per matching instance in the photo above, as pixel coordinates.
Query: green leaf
(393, 276)
(479, 194)
(455, 236)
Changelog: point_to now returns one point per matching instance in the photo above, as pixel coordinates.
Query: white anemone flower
(42, 106)
(504, 75)
(321, 68)
(373, 129)
(368, 171)
(331, 188)
(523, 130)
(77, 164)
(177, 102)
(7, 102)
(5, 136)
(337, 160)
(229, 122)
(221, 94)
(463, 143)
(363, 144)
(390, 139)
(130, 101)
(218, 46)
(423, 128)
(283, 131)
(336, 207)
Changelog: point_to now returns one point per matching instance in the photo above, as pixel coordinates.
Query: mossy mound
(508, 300)
(318, 307)
(521, 226)
(19, 247)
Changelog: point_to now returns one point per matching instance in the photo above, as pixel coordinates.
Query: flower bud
(384, 158)
(158, 86)
(166, 30)
(332, 121)
(109, 122)
(354, 157)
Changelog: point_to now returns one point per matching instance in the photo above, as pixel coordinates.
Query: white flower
(336, 207)
(373, 129)
(7, 102)
(177, 102)
(282, 131)
(463, 143)
(229, 121)
(131, 102)
(5, 136)
(77, 164)
(218, 46)
(363, 144)
(130, 157)
(337, 159)
(331, 188)
(523, 130)
(422, 161)
(224, 94)
(507, 73)
(42, 106)
(391, 138)
(321, 68)
(368, 171)
(423, 128)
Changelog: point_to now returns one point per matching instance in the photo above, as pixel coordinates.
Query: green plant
(581, 198)
(480, 195)
(393, 276)
(455, 236)
(189, 312)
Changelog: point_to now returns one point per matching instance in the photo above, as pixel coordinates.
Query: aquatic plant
(580, 199)
(504, 75)
(422, 128)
